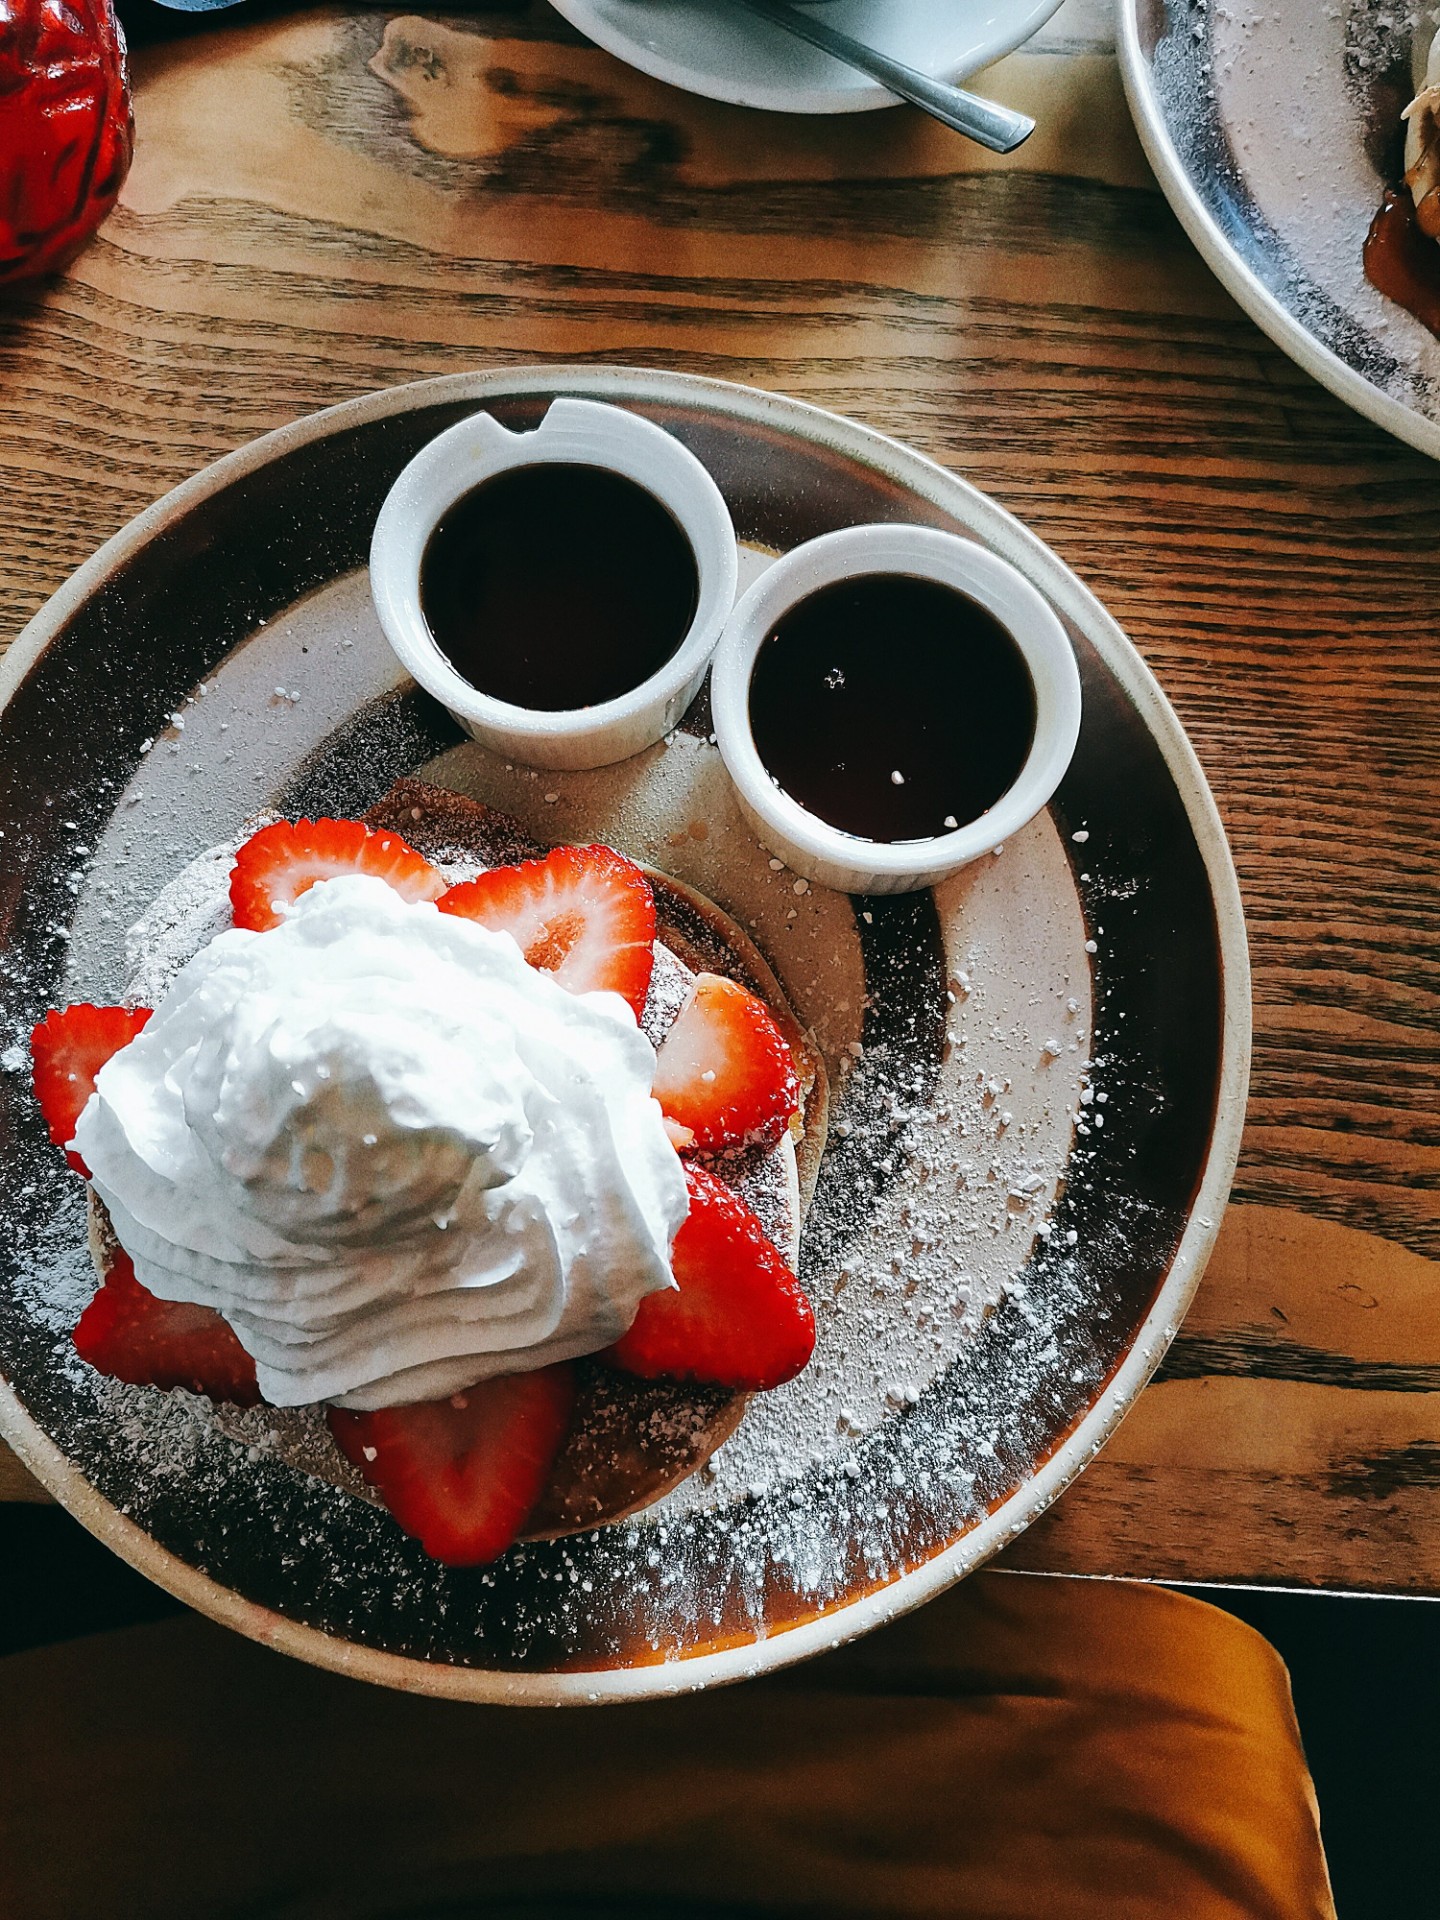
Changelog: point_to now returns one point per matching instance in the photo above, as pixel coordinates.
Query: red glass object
(66, 130)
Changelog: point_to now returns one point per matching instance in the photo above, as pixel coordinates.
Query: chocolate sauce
(892, 707)
(558, 585)
(1402, 260)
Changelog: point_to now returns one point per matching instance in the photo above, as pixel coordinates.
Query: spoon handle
(996, 127)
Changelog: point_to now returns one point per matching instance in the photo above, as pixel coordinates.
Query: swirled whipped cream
(397, 1158)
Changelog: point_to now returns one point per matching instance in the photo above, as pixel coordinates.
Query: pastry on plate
(497, 1153)
(1422, 147)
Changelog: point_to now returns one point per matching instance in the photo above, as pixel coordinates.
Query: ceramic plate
(1274, 129)
(1037, 1073)
(715, 48)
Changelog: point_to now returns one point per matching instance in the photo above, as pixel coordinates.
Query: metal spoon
(996, 127)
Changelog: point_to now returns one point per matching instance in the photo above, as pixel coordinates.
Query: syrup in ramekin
(558, 585)
(892, 707)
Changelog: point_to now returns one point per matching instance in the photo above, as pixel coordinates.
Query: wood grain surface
(328, 202)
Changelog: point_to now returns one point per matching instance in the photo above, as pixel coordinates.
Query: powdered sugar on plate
(975, 1144)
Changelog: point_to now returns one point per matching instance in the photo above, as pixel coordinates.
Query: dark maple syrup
(558, 585)
(1402, 260)
(892, 707)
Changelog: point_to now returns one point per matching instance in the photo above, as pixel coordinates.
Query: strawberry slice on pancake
(282, 861)
(725, 1071)
(585, 914)
(67, 1050)
(127, 1333)
(463, 1474)
(736, 1317)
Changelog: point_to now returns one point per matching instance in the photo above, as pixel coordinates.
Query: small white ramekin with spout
(814, 847)
(574, 432)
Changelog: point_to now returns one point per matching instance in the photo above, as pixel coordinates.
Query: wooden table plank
(1293, 1433)
(328, 203)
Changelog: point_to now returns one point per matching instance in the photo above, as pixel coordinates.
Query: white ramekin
(586, 433)
(810, 845)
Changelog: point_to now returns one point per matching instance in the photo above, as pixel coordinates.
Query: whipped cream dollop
(397, 1158)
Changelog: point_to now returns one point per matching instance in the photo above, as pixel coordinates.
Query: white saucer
(715, 48)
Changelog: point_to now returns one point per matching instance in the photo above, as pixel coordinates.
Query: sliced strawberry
(737, 1318)
(67, 1051)
(585, 914)
(280, 862)
(724, 1069)
(462, 1474)
(127, 1333)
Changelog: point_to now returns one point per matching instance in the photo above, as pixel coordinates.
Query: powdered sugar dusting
(183, 917)
(902, 1280)
(222, 761)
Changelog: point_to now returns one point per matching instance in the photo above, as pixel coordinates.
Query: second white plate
(1275, 130)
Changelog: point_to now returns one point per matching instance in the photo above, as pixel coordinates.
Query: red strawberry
(67, 1051)
(724, 1069)
(277, 864)
(127, 1333)
(585, 914)
(738, 1317)
(462, 1474)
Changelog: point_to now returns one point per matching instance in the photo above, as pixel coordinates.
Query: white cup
(575, 432)
(811, 845)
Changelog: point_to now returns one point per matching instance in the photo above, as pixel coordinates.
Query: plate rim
(1312, 356)
(581, 15)
(911, 1587)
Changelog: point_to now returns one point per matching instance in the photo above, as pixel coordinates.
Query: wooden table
(328, 202)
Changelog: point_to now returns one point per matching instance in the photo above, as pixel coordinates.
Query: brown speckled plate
(1038, 1074)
